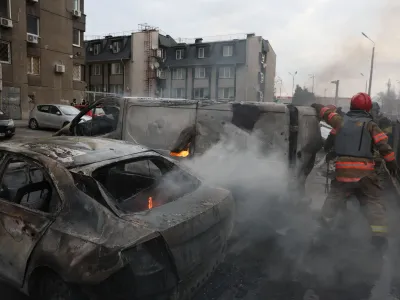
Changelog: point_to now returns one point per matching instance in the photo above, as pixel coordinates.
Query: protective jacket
(356, 142)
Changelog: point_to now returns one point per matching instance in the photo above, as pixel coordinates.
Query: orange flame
(183, 153)
(150, 203)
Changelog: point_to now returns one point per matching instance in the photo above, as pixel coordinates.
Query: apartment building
(126, 64)
(147, 63)
(232, 70)
(41, 53)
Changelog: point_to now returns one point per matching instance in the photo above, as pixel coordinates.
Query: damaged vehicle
(89, 218)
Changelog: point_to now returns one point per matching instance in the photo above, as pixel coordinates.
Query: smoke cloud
(268, 210)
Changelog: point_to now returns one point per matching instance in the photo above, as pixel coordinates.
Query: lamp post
(366, 82)
(293, 75)
(336, 82)
(313, 81)
(372, 63)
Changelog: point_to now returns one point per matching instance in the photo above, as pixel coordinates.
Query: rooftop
(76, 151)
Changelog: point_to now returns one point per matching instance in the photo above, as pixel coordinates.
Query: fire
(183, 153)
(150, 203)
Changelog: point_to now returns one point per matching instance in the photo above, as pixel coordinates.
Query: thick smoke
(353, 56)
(268, 209)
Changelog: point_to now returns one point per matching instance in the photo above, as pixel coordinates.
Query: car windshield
(69, 110)
(146, 183)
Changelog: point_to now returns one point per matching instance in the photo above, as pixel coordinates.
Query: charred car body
(87, 217)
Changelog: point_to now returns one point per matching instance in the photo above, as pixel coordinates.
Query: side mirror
(58, 113)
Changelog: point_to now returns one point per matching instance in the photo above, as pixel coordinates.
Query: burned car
(90, 218)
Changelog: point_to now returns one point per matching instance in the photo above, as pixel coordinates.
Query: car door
(55, 117)
(42, 115)
(25, 214)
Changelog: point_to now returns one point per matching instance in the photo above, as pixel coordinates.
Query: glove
(392, 168)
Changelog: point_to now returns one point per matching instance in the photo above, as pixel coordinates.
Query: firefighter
(356, 135)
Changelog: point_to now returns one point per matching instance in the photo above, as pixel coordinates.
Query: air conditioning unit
(160, 74)
(261, 77)
(76, 13)
(32, 38)
(159, 53)
(6, 23)
(59, 68)
(262, 59)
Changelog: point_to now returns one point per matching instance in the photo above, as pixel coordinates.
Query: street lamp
(366, 82)
(313, 80)
(336, 82)
(372, 63)
(295, 73)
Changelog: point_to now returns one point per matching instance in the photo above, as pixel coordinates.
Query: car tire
(33, 124)
(49, 286)
(65, 124)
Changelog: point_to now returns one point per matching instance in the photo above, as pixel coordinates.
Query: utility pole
(336, 82)
(313, 81)
(293, 75)
(372, 63)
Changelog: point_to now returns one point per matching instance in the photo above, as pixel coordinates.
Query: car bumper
(7, 130)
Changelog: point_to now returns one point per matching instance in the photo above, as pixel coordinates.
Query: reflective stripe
(379, 137)
(347, 179)
(333, 131)
(354, 165)
(331, 115)
(379, 229)
(389, 157)
(323, 111)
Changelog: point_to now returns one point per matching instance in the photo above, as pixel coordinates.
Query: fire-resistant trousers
(368, 192)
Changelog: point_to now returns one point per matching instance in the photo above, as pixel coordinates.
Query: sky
(320, 37)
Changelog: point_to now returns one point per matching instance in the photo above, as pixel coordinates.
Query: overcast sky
(321, 37)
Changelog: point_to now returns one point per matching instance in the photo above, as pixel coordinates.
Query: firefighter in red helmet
(356, 137)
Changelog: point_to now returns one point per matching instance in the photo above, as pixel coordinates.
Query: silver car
(54, 116)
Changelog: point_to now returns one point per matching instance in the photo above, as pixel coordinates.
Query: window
(116, 88)
(25, 183)
(178, 93)
(226, 93)
(200, 52)
(116, 68)
(77, 4)
(96, 49)
(116, 46)
(200, 72)
(76, 39)
(43, 108)
(5, 9)
(201, 93)
(32, 24)
(5, 52)
(177, 73)
(77, 73)
(33, 65)
(96, 88)
(96, 70)
(227, 50)
(226, 72)
(55, 111)
(179, 54)
(142, 185)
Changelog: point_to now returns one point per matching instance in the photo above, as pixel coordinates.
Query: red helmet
(361, 101)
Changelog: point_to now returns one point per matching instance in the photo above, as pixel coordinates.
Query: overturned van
(186, 128)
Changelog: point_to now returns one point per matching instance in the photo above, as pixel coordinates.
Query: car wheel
(65, 124)
(33, 124)
(49, 286)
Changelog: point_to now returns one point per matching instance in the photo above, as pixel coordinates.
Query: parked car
(97, 111)
(53, 116)
(7, 126)
(90, 218)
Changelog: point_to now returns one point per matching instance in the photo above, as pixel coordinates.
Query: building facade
(41, 53)
(149, 64)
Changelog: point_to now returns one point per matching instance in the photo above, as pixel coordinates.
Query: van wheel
(49, 286)
(65, 124)
(33, 124)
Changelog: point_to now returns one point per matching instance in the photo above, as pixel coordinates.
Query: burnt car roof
(77, 151)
